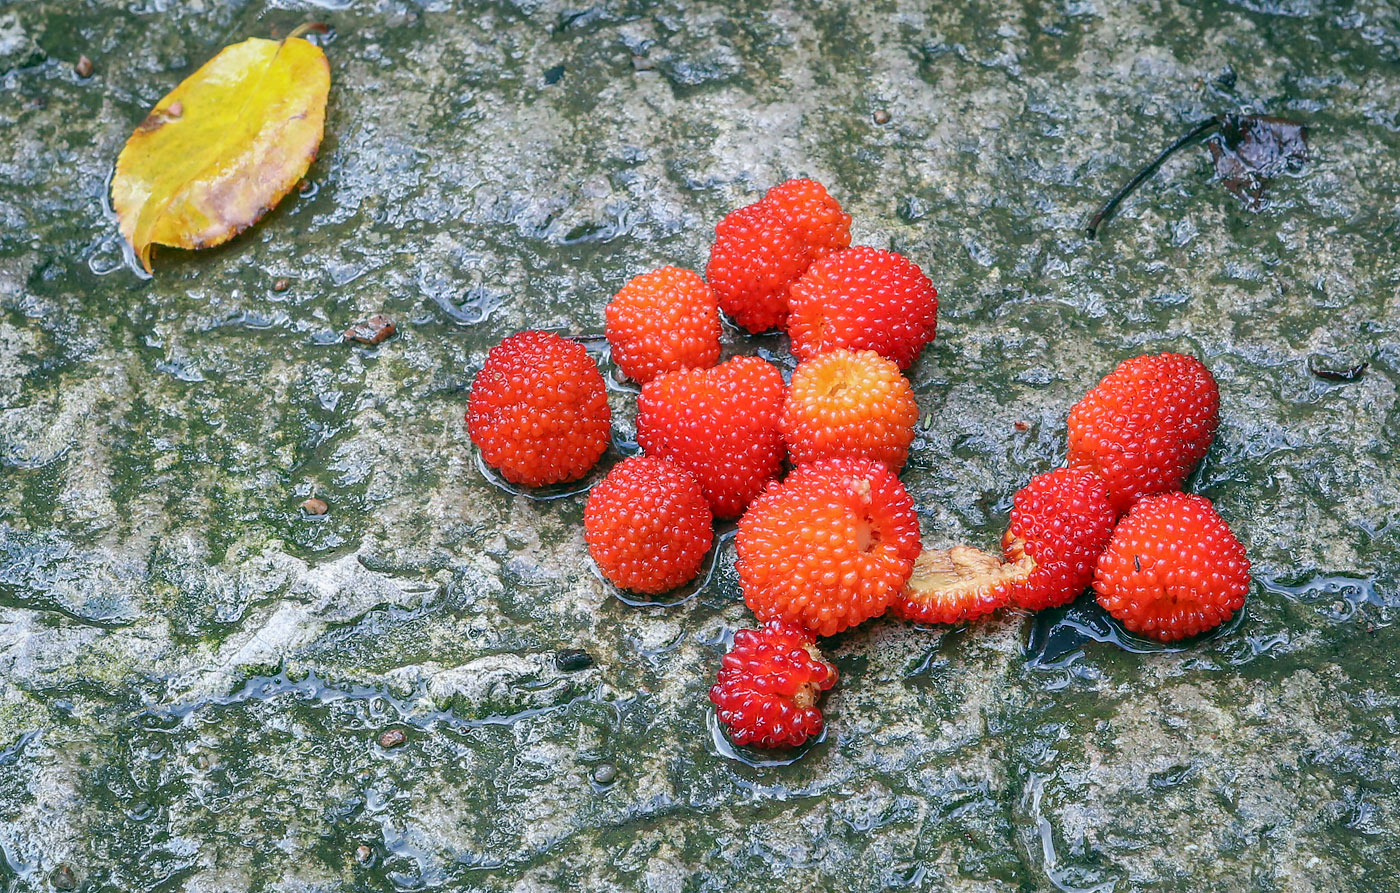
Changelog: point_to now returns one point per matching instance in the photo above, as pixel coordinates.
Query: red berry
(958, 584)
(1061, 520)
(720, 424)
(648, 525)
(760, 249)
(662, 321)
(863, 299)
(829, 547)
(849, 403)
(538, 410)
(1173, 569)
(768, 686)
(1145, 426)
(811, 212)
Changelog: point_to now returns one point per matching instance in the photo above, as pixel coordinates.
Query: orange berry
(828, 548)
(849, 403)
(662, 321)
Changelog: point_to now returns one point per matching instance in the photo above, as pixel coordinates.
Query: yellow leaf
(224, 147)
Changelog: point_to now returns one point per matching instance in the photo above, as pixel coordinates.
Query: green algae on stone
(195, 674)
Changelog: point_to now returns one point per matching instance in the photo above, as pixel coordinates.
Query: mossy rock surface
(195, 674)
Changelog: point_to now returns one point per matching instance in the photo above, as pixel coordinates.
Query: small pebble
(363, 854)
(371, 331)
(314, 506)
(642, 63)
(63, 878)
(605, 774)
(881, 116)
(393, 738)
(84, 67)
(281, 285)
(570, 660)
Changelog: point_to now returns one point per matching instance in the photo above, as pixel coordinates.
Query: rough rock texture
(194, 674)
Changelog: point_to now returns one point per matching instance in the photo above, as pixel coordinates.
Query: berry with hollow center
(720, 424)
(1145, 426)
(849, 403)
(760, 249)
(828, 548)
(1061, 521)
(648, 525)
(769, 684)
(538, 410)
(863, 299)
(958, 584)
(662, 321)
(1173, 568)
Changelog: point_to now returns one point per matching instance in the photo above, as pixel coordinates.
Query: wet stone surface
(194, 673)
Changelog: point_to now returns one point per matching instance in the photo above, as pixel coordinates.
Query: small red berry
(863, 299)
(769, 684)
(720, 424)
(849, 403)
(811, 212)
(958, 584)
(648, 525)
(661, 321)
(1172, 569)
(760, 249)
(1145, 426)
(538, 410)
(829, 547)
(1061, 521)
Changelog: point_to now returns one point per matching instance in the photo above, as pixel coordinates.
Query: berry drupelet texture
(662, 321)
(863, 299)
(720, 424)
(769, 684)
(1145, 426)
(828, 548)
(760, 249)
(1061, 520)
(538, 410)
(648, 525)
(1173, 568)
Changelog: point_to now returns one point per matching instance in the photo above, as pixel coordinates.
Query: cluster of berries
(836, 541)
(1162, 562)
